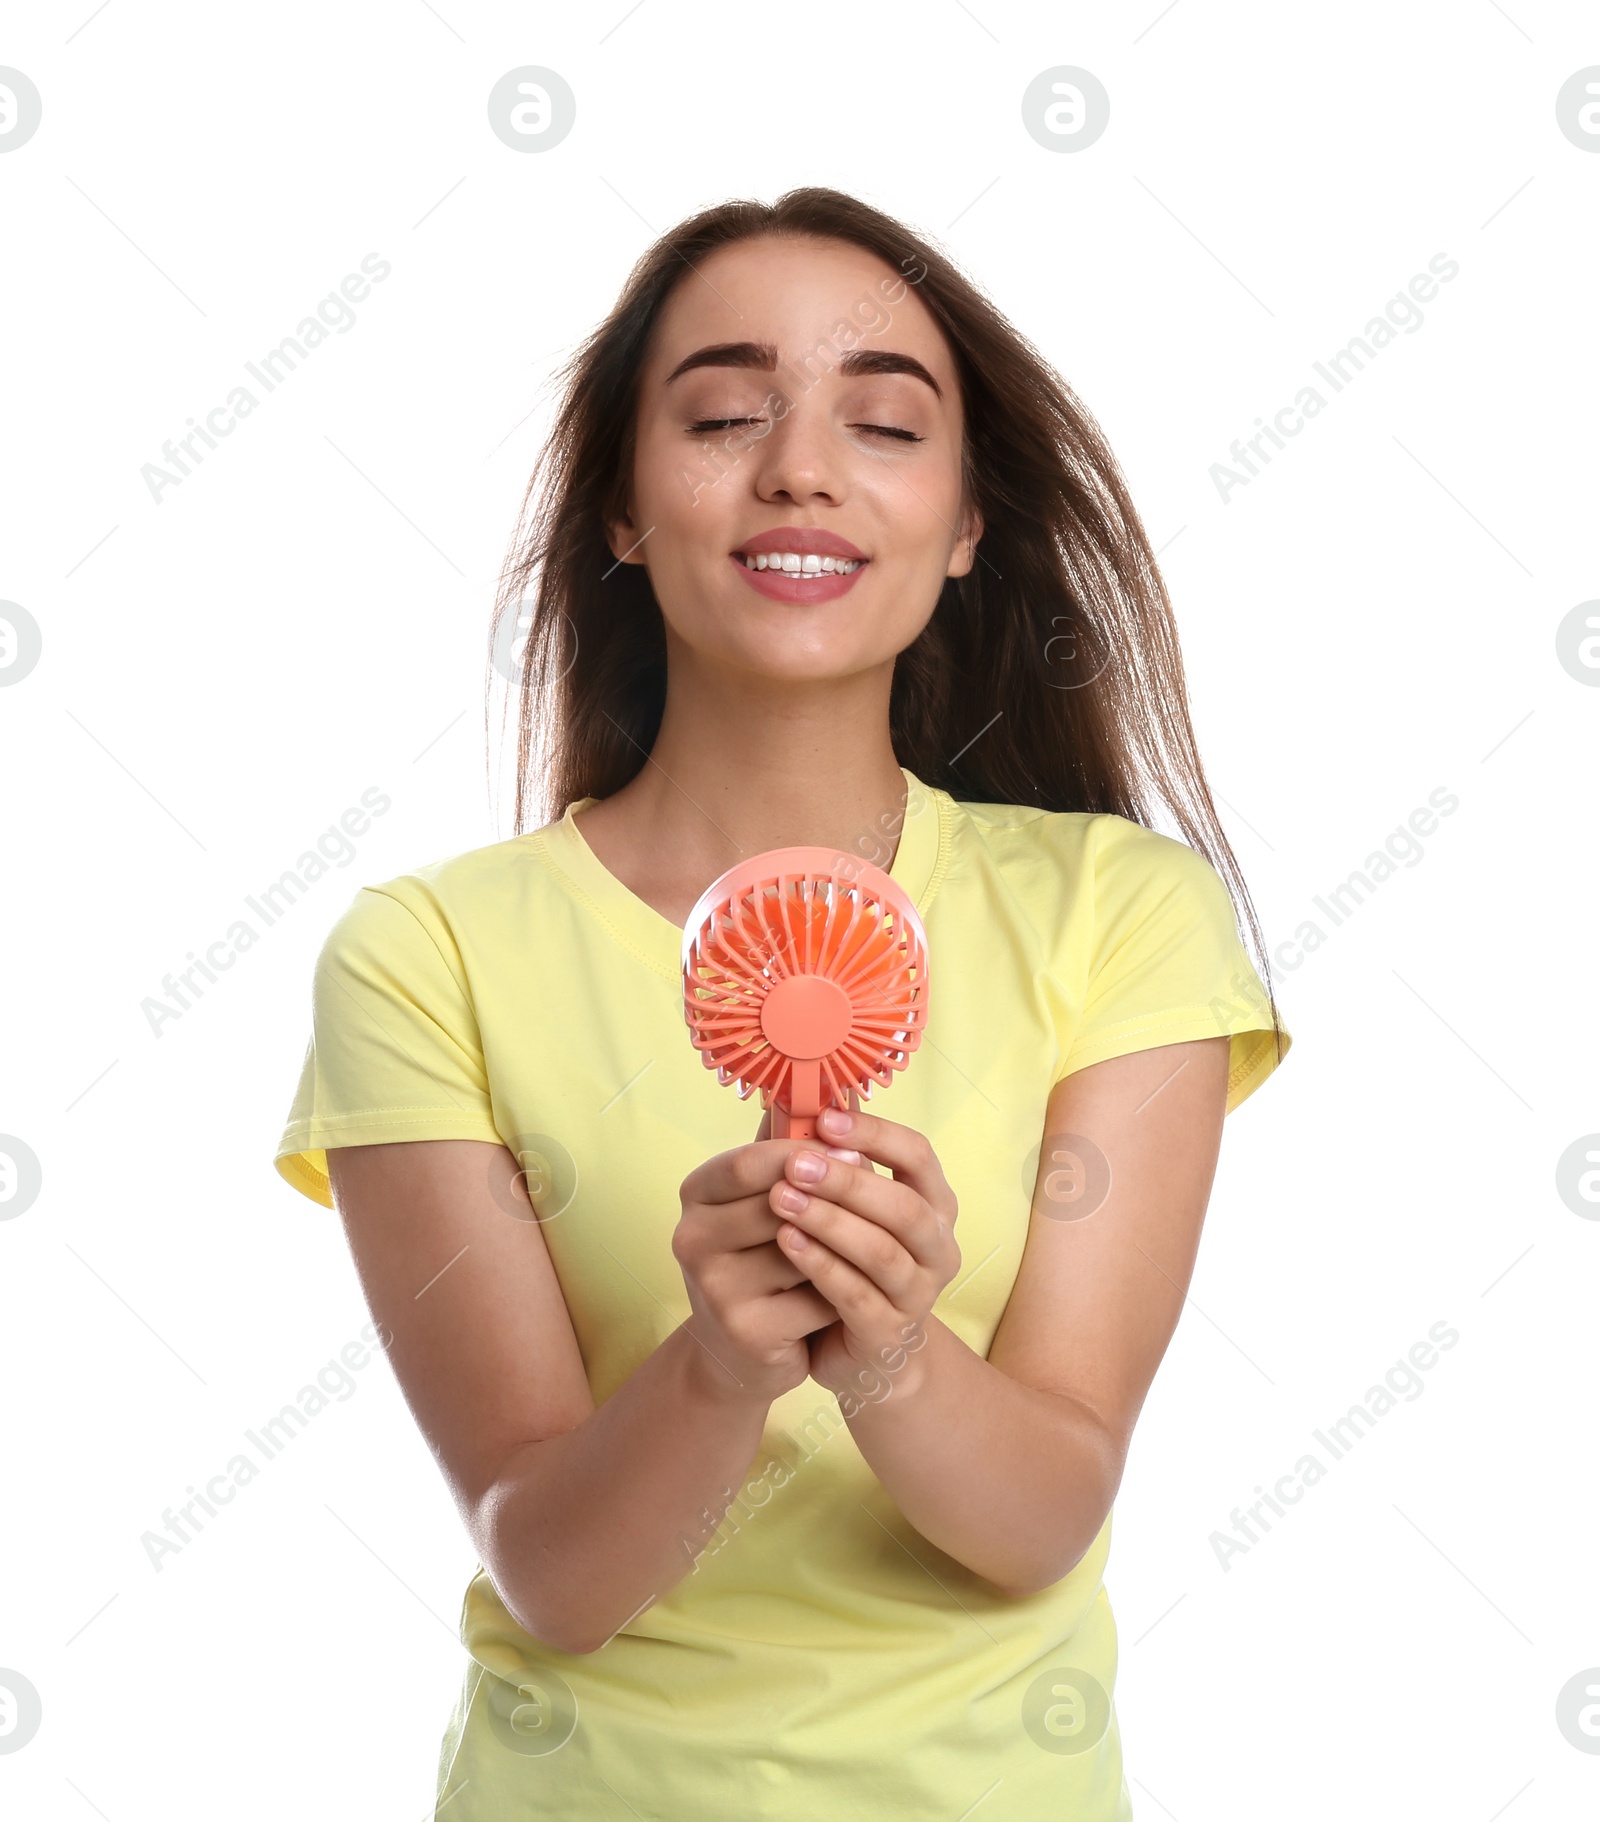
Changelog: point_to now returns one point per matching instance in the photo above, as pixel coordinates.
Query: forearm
(587, 1528)
(1013, 1482)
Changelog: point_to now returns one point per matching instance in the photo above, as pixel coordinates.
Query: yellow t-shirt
(822, 1658)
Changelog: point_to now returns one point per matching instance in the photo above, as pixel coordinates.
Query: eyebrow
(764, 356)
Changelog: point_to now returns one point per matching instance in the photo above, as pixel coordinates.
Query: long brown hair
(1049, 675)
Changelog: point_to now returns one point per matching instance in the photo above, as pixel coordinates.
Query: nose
(799, 457)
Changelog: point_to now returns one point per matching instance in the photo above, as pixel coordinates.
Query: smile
(788, 576)
(792, 564)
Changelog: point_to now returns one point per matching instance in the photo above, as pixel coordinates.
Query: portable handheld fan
(805, 974)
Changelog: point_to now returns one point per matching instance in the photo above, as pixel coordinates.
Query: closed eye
(706, 426)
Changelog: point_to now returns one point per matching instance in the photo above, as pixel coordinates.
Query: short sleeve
(1166, 963)
(395, 1051)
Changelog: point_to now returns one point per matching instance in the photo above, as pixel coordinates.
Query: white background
(1371, 618)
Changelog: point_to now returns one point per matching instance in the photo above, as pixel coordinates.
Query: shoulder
(438, 897)
(464, 875)
(1110, 860)
(1132, 861)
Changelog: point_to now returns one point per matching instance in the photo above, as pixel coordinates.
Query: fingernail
(808, 1167)
(791, 1199)
(795, 1238)
(834, 1119)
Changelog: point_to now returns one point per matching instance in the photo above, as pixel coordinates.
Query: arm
(581, 1515)
(1010, 1463)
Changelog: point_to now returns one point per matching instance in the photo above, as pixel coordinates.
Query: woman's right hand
(752, 1307)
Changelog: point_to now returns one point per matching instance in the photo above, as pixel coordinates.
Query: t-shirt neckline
(658, 941)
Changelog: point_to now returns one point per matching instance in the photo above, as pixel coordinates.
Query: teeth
(794, 565)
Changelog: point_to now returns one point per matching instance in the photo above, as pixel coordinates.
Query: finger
(803, 1311)
(766, 1276)
(742, 1170)
(747, 1229)
(884, 1201)
(902, 1149)
(859, 1159)
(861, 1304)
(730, 1195)
(872, 1250)
(757, 1271)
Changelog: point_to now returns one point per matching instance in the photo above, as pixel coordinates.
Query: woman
(790, 1463)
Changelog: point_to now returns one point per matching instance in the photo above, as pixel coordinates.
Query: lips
(782, 585)
(803, 540)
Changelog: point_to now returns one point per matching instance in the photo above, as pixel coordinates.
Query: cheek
(917, 510)
(684, 486)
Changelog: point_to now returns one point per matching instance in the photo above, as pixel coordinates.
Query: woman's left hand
(879, 1248)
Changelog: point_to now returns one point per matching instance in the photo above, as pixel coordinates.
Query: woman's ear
(965, 553)
(623, 540)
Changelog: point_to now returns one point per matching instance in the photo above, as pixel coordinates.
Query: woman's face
(798, 401)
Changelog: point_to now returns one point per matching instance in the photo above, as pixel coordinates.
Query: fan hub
(806, 1016)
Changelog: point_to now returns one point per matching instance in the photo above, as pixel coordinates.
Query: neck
(747, 764)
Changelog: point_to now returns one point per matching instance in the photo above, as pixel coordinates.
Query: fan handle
(787, 1125)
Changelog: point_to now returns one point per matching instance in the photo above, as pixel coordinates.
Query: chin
(800, 660)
